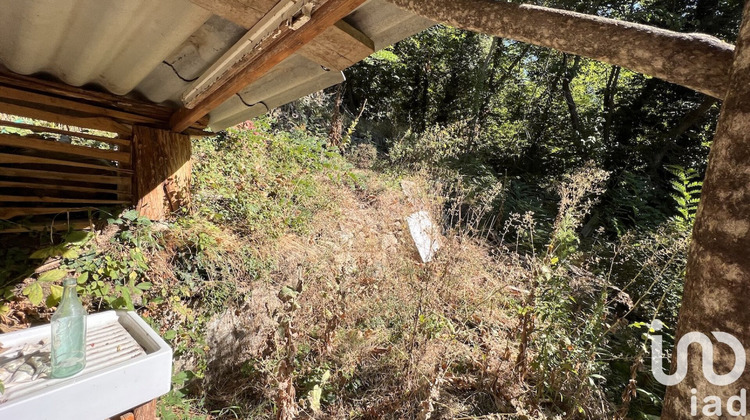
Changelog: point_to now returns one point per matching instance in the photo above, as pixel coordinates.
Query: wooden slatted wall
(48, 169)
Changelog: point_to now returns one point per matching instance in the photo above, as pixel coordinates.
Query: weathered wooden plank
(55, 146)
(266, 26)
(62, 116)
(242, 12)
(255, 66)
(65, 176)
(339, 47)
(55, 225)
(40, 129)
(94, 110)
(11, 158)
(41, 186)
(146, 411)
(35, 199)
(10, 212)
(105, 99)
(162, 179)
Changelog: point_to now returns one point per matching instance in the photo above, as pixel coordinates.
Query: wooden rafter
(57, 102)
(339, 47)
(256, 65)
(63, 116)
(244, 13)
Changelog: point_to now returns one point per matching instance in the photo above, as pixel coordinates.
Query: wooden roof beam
(339, 47)
(57, 102)
(267, 56)
(244, 13)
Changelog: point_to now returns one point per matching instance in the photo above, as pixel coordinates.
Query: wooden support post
(716, 294)
(162, 171)
(145, 411)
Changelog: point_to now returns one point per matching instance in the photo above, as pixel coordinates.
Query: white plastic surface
(425, 234)
(128, 364)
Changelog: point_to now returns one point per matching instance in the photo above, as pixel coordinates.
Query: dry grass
(399, 339)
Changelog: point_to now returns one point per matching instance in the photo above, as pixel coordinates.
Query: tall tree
(718, 272)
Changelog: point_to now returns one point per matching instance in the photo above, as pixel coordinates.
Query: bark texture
(697, 61)
(717, 296)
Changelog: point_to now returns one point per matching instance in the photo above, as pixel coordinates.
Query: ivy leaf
(34, 293)
(52, 275)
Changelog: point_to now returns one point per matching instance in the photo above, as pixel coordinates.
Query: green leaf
(130, 215)
(43, 253)
(170, 334)
(55, 294)
(179, 378)
(128, 299)
(287, 293)
(78, 237)
(52, 275)
(34, 293)
(144, 286)
(83, 278)
(70, 253)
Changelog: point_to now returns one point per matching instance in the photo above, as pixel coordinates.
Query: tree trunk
(609, 102)
(570, 74)
(671, 138)
(716, 294)
(697, 61)
(337, 120)
(480, 87)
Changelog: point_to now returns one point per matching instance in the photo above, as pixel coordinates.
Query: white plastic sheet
(425, 234)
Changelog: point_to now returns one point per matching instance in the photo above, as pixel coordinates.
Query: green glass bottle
(68, 333)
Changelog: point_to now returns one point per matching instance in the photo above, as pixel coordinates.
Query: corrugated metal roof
(157, 48)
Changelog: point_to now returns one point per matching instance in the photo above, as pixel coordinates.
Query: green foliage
(687, 188)
(263, 185)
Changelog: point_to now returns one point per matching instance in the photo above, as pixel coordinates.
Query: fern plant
(687, 190)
